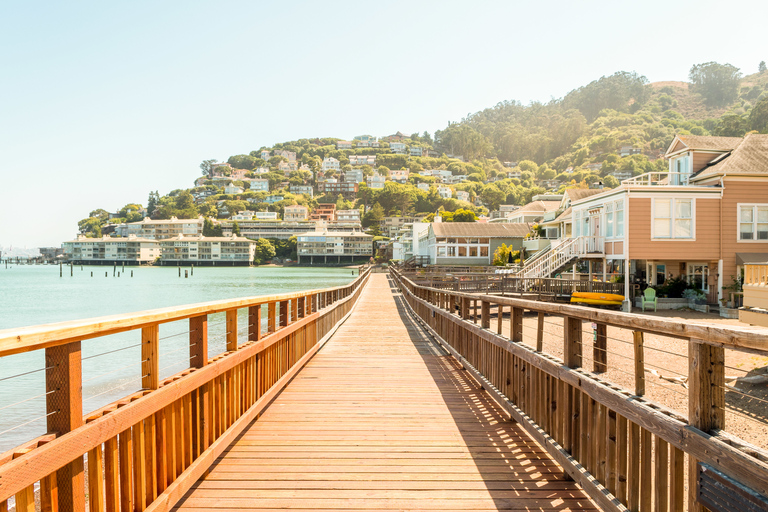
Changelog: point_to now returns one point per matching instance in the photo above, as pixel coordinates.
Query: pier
(388, 394)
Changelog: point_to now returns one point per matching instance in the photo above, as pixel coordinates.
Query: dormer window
(680, 168)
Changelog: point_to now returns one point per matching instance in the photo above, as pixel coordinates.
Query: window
(473, 252)
(441, 251)
(462, 251)
(672, 218)
(609, 220)
(698, 276)
(753, 222)
(452, 252)
(484, 252)
(619, 213)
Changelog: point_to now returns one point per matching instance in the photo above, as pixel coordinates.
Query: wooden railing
(626, 451)
(510, 285)
(145, 451)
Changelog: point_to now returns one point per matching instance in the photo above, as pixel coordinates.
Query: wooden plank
(25, 500)
(125, 447)
(600, 349)
(254, 322)
(539, 331)
(198, 341)
(572, 342)
(49, 494)
(95, 481)
(111, 475)
(661, 475)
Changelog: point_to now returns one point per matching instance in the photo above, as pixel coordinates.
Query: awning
(751, 257)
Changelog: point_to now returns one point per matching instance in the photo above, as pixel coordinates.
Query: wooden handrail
(146, 449)
(605, 437)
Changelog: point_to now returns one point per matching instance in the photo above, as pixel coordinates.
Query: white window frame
(704, 274)
(754, 207)
(672, 219)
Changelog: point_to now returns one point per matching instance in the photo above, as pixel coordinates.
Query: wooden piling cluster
(626, 452)
(146, 450)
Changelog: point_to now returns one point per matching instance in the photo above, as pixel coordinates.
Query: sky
(102, 102)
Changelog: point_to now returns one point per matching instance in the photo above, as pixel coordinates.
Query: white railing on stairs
(558, 256)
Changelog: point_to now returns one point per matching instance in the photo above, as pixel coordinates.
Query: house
(207, 250)
(376, 181)
(264, 155)
(397, 137)
(273, 229)
(462, 195)
(423, 186)
(397, 147)
(343, 144)
(445, 192)
(258, 185)
(330, 164)
(701, 221)
(629, 150)
(306, 190)
(348, 216)
(550, 184)
(131, 250)
(165, 228)
(593, 167)
(353, 176)
(514, 174)
(415, 151)
(290, 155)
(295, 213)
(621, 175)
(400, 176)
(533, 211)
(366, 141)
(334, 187)
(284, 166)
(261, 170)
(509, 164)
(324, 211)
(231, 188)
(318, 246)
(362, 160)
(471, 243)
(273, 199)
(503, 211)
(249, 216)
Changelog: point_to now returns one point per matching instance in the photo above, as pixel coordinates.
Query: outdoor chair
(649, 298)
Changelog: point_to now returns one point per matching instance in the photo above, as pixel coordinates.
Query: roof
(749, 157)
(705, 143)
(580, 193)
(476, 229)
(751, 257)
(201, 238)
(538, 207)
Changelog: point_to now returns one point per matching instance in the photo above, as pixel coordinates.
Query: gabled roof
(574, 194)
(478, 229)
(703, 143)
(749, 157)
(538, 207)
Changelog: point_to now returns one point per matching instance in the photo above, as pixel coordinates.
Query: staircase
(547, 263)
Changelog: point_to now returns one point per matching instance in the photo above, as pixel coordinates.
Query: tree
(102, 215)
(462, 215)
(265, 251)
(492, 197)
(207, 167)
(211, 229)
(90, 227)
(758, 118)
(717, 83)
(761, 68)
(610, 181)
(154, 198)
(503, 254)
(236, 228)
(373, 216)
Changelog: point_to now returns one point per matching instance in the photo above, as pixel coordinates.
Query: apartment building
(207, 251)
(161, 229)
(333, 247)
(131, 250)
(295, 213)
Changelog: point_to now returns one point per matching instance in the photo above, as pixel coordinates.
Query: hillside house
(397, 147)
(330, 164)
(295, 212)
(343, 144)
(362, 160)
(231, 188)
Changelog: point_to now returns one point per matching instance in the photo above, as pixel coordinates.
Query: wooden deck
(383, 419)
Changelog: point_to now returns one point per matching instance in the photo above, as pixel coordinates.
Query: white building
(353, 176)
(423, 186)
(258, 185)
(376, 181)
(348, 215)
(231, 188)
(131, 250)
(295, 213)
(160, 229)
(249, 215)
(343, 144)
(462, 195)
(400, 176)
(338, 245)
(445, 192)
(362, 160)
(397, 147)
(204, 250)
(330, 164)
(306, 190)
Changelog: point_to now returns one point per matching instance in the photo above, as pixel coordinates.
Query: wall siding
(736, 191)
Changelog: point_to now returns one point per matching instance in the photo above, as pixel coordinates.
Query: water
(35, 294)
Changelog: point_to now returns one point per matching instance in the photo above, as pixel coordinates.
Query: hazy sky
(101, 102)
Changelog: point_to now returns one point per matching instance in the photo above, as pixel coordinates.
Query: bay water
(35, 294)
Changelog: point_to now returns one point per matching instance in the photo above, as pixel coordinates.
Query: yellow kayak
(603, 299)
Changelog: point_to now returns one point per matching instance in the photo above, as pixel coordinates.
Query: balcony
(755, 309)
(653, 179)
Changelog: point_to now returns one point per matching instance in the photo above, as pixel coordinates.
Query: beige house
(131, 250)
(319, 246)
(207, 250)
(295, 213)
(165, 228)
(701, 220)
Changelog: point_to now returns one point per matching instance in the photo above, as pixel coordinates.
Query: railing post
(294, 310)
(639, 363)
(150, 357)
(254, 323)
(284, 313)
(516, 324)
(485, 314)
(271, 317)
(64, 404)
(706, 401)
(572, 347)
(231, 324)
(301, 307)
(600, 349)
(540, 331)
(464, 308)
(198, 341)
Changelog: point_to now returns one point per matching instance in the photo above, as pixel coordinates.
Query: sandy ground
(746, 404)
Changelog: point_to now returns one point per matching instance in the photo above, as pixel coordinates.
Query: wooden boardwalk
(383, 419)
